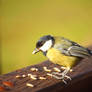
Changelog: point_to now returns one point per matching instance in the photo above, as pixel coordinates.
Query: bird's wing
(71, 48)
(78, 51)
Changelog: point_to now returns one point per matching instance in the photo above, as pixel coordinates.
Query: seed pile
(36, 77)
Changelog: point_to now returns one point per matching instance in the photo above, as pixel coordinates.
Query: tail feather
(90, 52)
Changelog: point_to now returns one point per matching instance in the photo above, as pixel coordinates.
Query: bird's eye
(39, 44)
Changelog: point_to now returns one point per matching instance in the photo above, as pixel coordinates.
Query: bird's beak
(35, 51)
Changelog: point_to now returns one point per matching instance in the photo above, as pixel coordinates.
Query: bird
(61, 51)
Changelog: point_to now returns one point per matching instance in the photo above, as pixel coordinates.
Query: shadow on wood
(81, 79)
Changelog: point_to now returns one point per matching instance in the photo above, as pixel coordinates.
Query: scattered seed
(57, 69)
(23, 75)
(18, 76)
(29, 85)
(29, 74)
(32, 76)
(49, 74)
(34, 69)
(9, 84)
(71, 70)
(63, 68)
(42, 78)
(46, 69)
(2, 88)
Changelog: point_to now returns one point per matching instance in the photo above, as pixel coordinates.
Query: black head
(44, 43)
(44, 39)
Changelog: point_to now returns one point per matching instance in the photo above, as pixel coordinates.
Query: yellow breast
(56, 57)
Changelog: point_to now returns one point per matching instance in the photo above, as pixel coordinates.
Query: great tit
(61, 51)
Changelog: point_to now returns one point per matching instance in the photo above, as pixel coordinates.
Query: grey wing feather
(71, 48)
(78, 51)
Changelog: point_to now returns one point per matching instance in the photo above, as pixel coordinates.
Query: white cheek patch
(46, 45)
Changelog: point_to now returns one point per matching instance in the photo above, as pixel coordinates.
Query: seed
(49, 74)
(71, 70)
(42, 78)
(9, 84)
(23, 75)
(29, 74)
(34, 69)
(63, 68)
(66, 68)
(57, 69)
(32, 76)
(18, 76)
(29, 85)
(46, 69)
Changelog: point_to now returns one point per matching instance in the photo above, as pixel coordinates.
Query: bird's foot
(62, 77)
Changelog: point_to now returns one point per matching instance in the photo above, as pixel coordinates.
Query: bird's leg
(63, 75)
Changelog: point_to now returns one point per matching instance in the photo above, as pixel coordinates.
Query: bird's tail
(90, 52)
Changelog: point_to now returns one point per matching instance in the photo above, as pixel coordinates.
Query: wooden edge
(80, 72)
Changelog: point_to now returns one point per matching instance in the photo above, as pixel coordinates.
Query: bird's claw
(68, 77)
(63, 76)
(54, 74)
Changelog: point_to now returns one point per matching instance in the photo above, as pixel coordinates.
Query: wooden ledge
(81, 79)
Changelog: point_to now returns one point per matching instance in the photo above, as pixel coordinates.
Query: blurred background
(25, 21)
